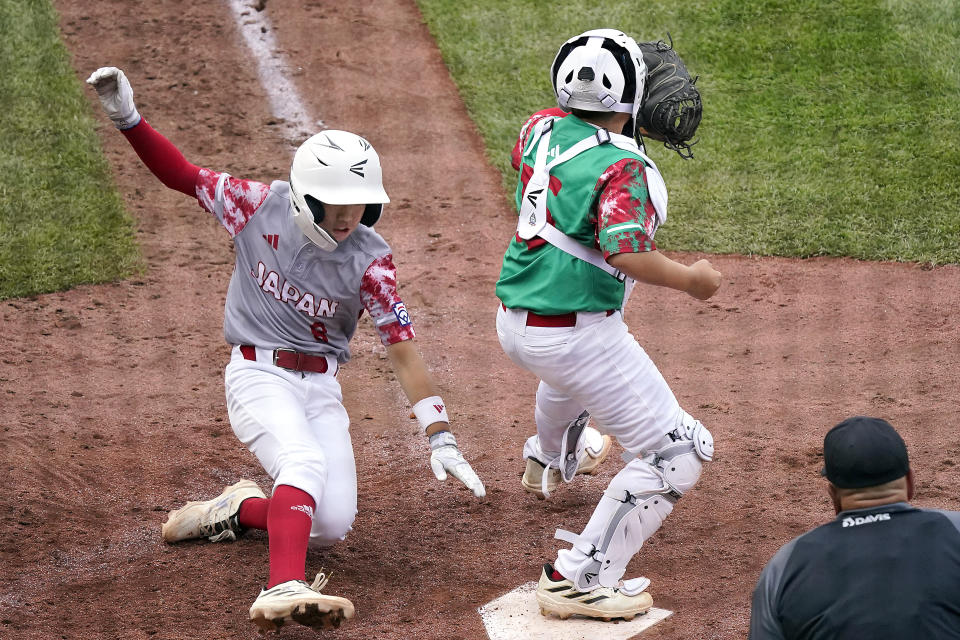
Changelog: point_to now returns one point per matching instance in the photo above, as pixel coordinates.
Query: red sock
(253, 513)
(289, 520)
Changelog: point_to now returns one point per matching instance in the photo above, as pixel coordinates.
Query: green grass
(830, 127)
(62, 222)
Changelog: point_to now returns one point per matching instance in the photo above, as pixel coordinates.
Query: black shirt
(889, 572)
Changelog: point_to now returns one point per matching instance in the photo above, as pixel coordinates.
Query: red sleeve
(527, 126)
(162, 158)
(378, 290)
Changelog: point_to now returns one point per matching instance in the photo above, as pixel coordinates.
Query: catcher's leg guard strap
(572, 447)
(627, 520)
(567, 461)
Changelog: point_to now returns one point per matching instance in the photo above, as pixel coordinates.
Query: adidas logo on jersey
(272, 239)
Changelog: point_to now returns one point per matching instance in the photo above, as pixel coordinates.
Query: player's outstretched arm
(445, 456)
(159, 154)
(700, 279)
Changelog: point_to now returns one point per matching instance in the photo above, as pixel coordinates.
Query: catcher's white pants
(296, 425)
(598, 366)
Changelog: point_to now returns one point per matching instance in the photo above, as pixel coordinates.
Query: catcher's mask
(600, 70)
(334, 167)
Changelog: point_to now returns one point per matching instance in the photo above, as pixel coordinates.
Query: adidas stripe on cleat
(304, 604)
(214, 519)
(561, 598)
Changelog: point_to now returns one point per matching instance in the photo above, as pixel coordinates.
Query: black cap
(863, 452)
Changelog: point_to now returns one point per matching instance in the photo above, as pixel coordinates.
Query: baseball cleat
(562, 599)
(214, 519)
(296, 600)
(596, 451)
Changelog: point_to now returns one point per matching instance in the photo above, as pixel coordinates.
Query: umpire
(882, 569)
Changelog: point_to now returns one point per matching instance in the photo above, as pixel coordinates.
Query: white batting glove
(116, 96)
(446, 457)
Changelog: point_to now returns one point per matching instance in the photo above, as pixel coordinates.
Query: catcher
(590, 202)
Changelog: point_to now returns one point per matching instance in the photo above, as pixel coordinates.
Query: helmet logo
(330, 143)
(357, 168)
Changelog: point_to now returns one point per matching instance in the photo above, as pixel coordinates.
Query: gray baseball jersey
(287, 292)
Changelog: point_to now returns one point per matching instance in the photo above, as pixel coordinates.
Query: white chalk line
(272, 68)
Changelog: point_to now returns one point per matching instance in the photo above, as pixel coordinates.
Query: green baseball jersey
(600, 199)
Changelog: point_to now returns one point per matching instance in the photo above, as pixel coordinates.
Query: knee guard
(681, 454)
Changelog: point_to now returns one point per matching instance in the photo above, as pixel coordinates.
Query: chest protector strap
(533, 205)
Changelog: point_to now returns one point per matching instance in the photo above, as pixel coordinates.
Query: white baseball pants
(596, 365)
(296, 425)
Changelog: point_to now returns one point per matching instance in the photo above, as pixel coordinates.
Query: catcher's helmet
(334, 167)
(600, 70)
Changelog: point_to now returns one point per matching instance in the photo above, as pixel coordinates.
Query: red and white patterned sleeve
(626, 218)
(517, 152)
(378, 290)
(231, 200)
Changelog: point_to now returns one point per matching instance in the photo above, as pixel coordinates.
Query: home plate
(516, 615)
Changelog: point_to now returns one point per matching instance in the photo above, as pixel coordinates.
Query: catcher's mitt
(671, 107)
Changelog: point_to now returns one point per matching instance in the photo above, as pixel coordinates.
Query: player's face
(339, 220)
(653, 136)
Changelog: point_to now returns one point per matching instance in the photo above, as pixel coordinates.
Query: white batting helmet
(600, 70)
(334, 167)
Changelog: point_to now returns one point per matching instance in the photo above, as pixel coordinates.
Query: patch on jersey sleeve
(400, 311)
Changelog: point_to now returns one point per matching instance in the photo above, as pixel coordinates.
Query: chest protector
(533, 205)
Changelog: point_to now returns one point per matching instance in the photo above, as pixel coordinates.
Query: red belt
(561, 320)
(290, 359)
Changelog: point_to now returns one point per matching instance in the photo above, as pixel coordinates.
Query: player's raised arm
(159, 154)
(431, 412)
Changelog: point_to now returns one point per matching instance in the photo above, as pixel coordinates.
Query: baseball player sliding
(589, 203)
(308, 264)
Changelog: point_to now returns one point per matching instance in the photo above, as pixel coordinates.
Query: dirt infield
(113, 395)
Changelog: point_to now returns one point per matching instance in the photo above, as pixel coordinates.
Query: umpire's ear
(834, 497)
